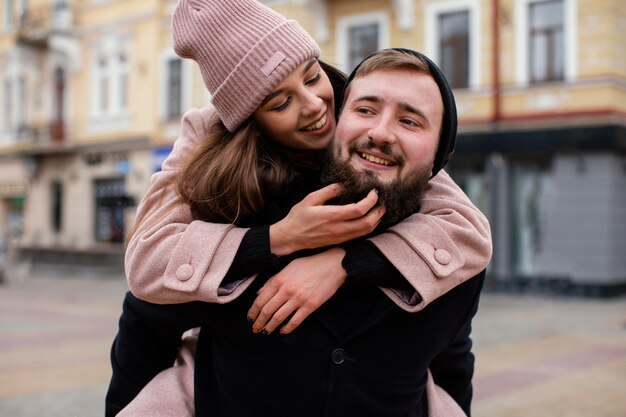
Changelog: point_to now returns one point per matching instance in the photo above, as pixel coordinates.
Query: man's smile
(375, 159)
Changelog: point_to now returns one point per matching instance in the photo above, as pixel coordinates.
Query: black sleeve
(147, 342)
(366, 265)
(253, 256)
(453, 367)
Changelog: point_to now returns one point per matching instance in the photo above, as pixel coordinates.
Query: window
(530, 182)
(546, 40)
(359, 36)
(9, 11)
(174, 87)
(110, 203)
(122, 75)
(102, 86)
(454, 47)
(110, 81)
(362, 42)
(7, 110)
(57, 206)
(58, 105)
(22, 94)
(453, 35)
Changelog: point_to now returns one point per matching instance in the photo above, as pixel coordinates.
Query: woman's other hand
(310, 224)
(297, 291)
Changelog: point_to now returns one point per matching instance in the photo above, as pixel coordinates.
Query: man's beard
(401, 197)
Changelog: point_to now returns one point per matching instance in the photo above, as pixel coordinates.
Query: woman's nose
(312, 103)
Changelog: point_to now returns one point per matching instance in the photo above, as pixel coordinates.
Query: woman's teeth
(321, 123)
(375, 159)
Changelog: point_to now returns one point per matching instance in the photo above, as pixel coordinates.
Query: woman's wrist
(280, 244)
(337, 255)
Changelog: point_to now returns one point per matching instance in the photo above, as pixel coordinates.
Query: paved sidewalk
(535, 356)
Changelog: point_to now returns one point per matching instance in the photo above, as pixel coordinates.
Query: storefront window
(529, 186)
(110, 204)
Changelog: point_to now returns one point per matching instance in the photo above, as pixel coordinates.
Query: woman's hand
(297, 291)
(310, 224)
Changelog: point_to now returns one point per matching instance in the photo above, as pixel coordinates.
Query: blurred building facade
(93, 95)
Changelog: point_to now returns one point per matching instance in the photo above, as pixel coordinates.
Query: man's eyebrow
(403, 105)
(373, 99)
(411, 109)
(280, 90)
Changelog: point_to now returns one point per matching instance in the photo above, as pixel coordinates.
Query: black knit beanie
(447, 139)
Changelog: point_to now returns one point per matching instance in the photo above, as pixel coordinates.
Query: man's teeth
(375, 159)
(317, 125)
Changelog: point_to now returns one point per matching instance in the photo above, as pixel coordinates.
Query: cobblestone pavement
(535, 356)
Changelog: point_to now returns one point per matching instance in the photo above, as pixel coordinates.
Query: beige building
(93, 95)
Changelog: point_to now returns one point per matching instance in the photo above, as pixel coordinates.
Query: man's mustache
(384, 149)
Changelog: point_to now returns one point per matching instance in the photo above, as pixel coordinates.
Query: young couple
(313, 300)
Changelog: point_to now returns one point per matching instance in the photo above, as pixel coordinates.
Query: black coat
(358, 355)
(342, 361)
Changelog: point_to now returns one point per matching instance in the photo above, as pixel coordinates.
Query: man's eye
(409, 122)
(364, 110)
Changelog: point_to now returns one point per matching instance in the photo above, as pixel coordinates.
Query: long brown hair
(230, 175)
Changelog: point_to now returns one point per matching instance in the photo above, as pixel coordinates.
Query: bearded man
(358, 354)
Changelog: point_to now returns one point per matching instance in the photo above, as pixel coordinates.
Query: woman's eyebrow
(309, 64)
(271, 96)
(280, 90)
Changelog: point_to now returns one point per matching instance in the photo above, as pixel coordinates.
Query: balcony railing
(40, 136)
(36, 24)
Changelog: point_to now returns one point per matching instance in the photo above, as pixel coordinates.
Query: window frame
(344, 24)
(185, 85)
(454, 76)
(114, 114)
(432, 32)
(522, 39)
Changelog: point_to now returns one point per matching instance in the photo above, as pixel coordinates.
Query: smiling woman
(251, 165)
(299, 113)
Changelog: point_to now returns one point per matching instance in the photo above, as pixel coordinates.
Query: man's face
(386, 138)
(390, 124)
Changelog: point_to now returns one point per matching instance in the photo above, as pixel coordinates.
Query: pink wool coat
(173, 259)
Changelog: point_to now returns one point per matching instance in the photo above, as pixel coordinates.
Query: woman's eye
(283, 105)
(314, 79)
(364, 110)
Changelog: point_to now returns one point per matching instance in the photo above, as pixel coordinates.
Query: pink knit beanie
(243, 48)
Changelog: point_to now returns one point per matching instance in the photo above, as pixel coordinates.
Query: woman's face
(299, 113)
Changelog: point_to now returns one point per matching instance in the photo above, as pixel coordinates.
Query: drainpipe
(497, 110)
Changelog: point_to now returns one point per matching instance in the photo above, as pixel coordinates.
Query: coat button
(338, 356)
(184, 272)
(442, 256)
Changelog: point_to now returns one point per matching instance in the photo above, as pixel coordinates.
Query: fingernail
(264, 332)
(249, 319)
(255, 329)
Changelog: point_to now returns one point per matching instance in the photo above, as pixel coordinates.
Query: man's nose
(382, 132)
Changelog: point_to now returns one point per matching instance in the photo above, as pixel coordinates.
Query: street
(535, 356)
